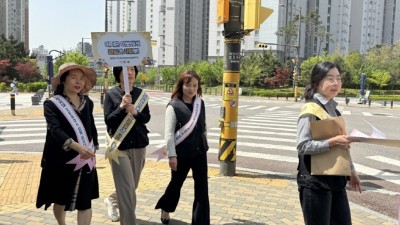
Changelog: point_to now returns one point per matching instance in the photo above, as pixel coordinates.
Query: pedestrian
(127, 114)
(186, 144)
(69, 177)
(14, 86)
(323, 198)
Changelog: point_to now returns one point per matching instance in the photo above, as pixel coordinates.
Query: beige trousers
(126, 179)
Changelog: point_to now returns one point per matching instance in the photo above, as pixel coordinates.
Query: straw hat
(89, 73)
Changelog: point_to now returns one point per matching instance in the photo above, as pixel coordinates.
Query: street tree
(28, 71)
(250, 69)
(71, 56)
(379, 78)
(4, 64)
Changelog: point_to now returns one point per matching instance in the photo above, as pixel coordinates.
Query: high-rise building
(40, 54)
(183, 31)
(14, 20)
(125, 15)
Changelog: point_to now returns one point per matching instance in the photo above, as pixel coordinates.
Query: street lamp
(82, 44)
(296, 77)
(296, 72)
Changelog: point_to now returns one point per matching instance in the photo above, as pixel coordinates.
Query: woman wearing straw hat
(69, 177)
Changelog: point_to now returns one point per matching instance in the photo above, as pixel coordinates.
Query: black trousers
(201, 205)
(325, 207)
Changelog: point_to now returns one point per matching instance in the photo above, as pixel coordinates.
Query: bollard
(12, 103)
(384, 103)
(101, 98)
(287, 98)
(391, 104)
(369, 102)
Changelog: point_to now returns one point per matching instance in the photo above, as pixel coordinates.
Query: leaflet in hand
(376, 137)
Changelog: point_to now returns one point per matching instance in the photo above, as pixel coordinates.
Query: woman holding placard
(323, 195)
(126, 116)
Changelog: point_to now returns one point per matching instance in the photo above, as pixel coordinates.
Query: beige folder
(337, 160)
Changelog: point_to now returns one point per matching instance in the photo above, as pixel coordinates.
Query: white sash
(184, 131)
(80, 132)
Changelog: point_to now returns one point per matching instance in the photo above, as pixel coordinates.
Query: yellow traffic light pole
(229, 13)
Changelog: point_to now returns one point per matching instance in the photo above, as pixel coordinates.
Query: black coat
(114, 115)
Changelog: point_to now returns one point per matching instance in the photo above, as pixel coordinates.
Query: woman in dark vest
(185, 153)
(323, 198)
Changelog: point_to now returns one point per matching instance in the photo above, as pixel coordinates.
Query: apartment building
(14, 20)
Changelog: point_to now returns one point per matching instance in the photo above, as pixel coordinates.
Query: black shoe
(164, 220)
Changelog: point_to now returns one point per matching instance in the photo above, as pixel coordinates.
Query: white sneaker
(112, 210)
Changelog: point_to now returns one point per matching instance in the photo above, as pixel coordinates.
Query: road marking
(256, 145)
(346, 113)
(272, 108)
(260, 132)
(240, 136)
(268, 121)
(260, 156)
(243, 106)
(367, 113)
(240, 125)
(267, 124)
(383, 159)
(377, 173)
(257, 107)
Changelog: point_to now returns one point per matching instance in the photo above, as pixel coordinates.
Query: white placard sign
(122, 49)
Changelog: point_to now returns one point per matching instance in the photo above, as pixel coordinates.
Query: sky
(61, 24)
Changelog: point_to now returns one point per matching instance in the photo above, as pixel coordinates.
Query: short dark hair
(117, 70)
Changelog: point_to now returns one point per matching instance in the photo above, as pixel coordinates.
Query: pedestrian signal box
(262, 46)
(254, 14)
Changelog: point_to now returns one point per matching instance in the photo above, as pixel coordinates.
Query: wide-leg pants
(126, 179)
(325, 207)
(201, 205)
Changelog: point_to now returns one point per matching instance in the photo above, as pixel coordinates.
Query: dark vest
(304, 177)
(196, 142)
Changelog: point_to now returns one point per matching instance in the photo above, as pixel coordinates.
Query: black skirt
(64, 186)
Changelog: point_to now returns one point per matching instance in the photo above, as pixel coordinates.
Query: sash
(123, 129)
(337, 161)
(314, 109)
(80, 132)
(184, 131)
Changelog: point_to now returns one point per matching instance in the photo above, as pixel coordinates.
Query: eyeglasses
(332, 80)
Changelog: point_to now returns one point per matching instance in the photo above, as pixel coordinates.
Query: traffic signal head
(262, 46)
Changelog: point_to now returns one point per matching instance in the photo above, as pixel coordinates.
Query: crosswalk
(269, 135)
(256, 104)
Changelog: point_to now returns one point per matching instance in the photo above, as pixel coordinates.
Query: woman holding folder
(323, 196)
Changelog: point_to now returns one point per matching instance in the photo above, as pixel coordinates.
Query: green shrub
(385, 97)
(35, 86)
(4, 87)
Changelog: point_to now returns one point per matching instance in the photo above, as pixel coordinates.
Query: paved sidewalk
(251, 198)
(247, 198)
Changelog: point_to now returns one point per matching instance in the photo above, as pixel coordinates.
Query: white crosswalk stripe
(269, 135)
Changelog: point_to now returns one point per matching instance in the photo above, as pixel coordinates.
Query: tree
(3, 72)
(28, 71)
(250, 69)
(72, 56)
(380, 78)
(280, 78)
(13, 51)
